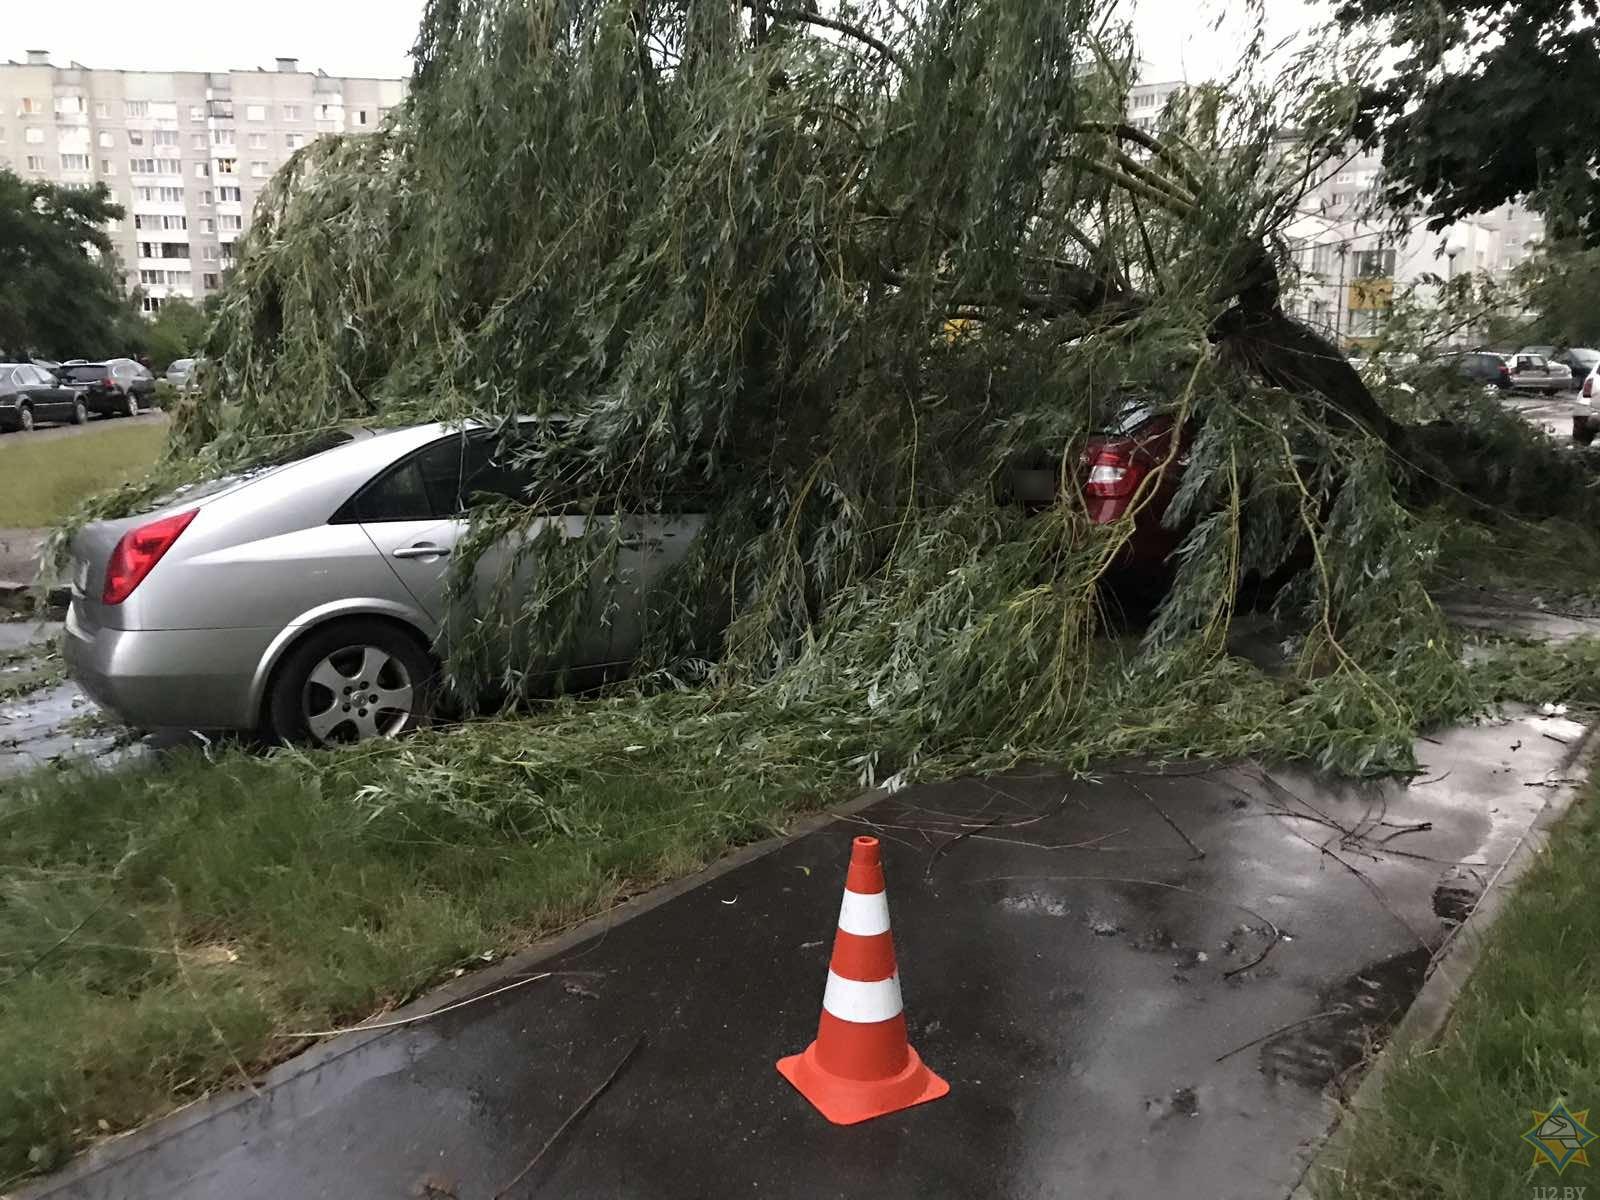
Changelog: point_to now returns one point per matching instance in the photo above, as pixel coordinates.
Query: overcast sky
(373, 37)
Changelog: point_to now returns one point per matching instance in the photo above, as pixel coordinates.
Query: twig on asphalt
(1277, 936)
(1293, 1025)
(588, 1103)
(1419, 827)
(1176, 828)
(437, 1012)
(1087, 844)
(944, 847)
(1377, 892)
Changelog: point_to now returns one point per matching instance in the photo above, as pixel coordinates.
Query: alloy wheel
(357, 693)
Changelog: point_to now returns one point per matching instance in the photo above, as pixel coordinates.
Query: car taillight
(1112, 475)
(108, 382)
(139, 550)
(1505, 372)
(1588, 387)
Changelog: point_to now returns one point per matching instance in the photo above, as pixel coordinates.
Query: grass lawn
(1524, 1035)
(42, 480)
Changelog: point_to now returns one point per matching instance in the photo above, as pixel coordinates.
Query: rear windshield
(84, 374)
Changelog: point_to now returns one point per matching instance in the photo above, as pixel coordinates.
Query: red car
(1114, 466)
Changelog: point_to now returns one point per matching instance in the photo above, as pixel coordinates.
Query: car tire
(25, 417)
(314, 698)
(130, 405)
(80, 414)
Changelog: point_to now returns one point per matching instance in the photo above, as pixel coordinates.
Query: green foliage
(59, 300)
(1491, 101)
(178, 330)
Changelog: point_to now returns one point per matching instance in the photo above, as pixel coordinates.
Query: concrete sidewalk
(1141, 985)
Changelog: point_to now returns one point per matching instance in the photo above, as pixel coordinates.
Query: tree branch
(833, 23)
(1131, 133)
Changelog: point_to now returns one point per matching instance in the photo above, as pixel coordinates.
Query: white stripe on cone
(862, 1003)
(865, 914)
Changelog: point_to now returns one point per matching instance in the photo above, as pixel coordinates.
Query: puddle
(1363, 1009)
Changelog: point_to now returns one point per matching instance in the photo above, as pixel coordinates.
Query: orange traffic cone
(861, 1065)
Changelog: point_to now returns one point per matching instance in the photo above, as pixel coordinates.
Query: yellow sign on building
(1368, 294)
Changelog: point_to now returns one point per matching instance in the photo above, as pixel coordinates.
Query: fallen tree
(833, 274)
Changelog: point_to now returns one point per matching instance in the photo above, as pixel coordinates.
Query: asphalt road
(50, 433)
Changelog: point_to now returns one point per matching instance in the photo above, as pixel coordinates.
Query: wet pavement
(1141, 984)
(49, 722)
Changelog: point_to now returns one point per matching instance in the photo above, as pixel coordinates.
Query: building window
(293, 141)
(150, 277)
(210, 282)
(135, 137)
(102, 110)
(209, 253)
(141, 166)
(255, 112)
(69, 106)
(197, 141)
(228, 195)
(258, 141)
(164, 137)
(171, 222)
(1372, 264)
(35, 162)
(208, 225)
(169, 166)
(74, 162)
(230, 221)
(137, 108)
(150, 304)
(107, 139)
(107, 167)
(33, 135)
(222, 137)
(260, 170)
(196, 113)
(227, 166)
(361, 116)
(325, 112)
(28, 107)
(291, 112)
(202, 170)
(205, 199)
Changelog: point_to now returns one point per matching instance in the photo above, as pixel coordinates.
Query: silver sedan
(308, 601)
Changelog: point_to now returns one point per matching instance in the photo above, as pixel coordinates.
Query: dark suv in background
(118, 387)
(1484, 366)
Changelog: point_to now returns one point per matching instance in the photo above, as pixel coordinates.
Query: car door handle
(421, 550)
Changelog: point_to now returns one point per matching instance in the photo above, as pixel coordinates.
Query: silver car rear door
(651, 546)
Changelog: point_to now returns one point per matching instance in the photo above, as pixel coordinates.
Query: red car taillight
(1113, 475)
(139, 550)
(108, 382)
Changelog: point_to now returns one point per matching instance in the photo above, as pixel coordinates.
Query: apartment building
(185, 153)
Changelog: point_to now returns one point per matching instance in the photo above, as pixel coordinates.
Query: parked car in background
(1580, 360)
(118, 387)
(305, 601)
(1590, 385)
(1536, 373)
(1480, 366)
(30, 395)
(180, 373)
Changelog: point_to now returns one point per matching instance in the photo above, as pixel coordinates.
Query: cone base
(851, 1101)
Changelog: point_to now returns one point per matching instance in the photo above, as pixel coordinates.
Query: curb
(111, 1153)
(1430, 1011)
